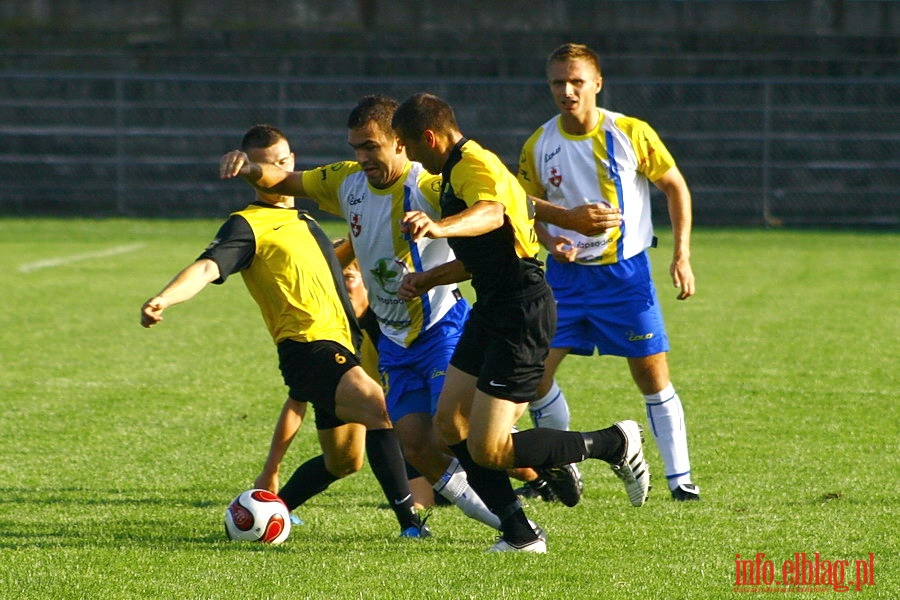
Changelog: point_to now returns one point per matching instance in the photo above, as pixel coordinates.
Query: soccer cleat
(537, 546)
(419, 530)
(632, 469)
(416, 531)
(536, 488)
(686, 492)
(565, 482)
(538, 530)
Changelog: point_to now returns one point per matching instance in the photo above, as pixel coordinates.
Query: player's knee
(343, 466)
(487, 456)
(445, 426)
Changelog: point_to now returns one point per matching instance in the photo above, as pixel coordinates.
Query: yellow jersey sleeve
(323, 185)
(528, 175)
(653, 157)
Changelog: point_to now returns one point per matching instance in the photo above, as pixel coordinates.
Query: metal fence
(820, 151)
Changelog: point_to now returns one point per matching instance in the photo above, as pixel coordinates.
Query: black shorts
(311, 371)
(505, 344)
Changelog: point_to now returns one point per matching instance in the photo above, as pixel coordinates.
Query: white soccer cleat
(538, 546)
(633, 470)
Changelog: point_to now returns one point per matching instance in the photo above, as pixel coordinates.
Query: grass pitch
(120, 447)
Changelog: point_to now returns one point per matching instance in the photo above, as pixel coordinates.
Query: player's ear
(430, 138)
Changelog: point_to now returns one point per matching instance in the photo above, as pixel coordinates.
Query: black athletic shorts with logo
(311, 371)
(504, 342)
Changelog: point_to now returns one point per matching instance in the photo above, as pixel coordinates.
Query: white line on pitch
(65, 260)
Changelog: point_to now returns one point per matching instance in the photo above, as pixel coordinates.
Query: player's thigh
(344, 448)
(359, 399)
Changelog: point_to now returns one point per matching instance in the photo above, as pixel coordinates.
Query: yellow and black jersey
(497, 258)
(279, 253)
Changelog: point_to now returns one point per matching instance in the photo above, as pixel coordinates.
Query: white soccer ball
(258, 516)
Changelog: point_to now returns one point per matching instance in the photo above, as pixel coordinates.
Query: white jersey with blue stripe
(611, 164)
(384, 253)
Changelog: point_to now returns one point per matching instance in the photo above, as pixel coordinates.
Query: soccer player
(498, 361)
(605, 295)
(416, 338)
(290, 269)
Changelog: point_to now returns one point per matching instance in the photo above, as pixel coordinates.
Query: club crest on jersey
(555, 176)
(355, 224)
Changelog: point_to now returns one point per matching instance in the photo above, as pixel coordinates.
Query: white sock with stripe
(551, 411)
(665, 415)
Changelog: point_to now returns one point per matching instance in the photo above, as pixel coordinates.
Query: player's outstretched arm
(268, 178)
(182, 288)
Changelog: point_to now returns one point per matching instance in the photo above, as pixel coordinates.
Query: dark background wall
(778, 111)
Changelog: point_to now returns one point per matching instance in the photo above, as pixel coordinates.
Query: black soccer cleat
(686, 492)
(565, 482)
(536, 488)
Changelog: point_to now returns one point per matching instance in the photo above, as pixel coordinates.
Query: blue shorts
(413, 377)
(610, 308)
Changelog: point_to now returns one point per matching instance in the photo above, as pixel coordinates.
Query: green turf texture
(120, 447)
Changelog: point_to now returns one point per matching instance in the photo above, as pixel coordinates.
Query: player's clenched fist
(151, 312)
(230, 164)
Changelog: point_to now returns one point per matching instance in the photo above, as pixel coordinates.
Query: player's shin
(386, 461)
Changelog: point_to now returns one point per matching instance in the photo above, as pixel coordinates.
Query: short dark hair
(261, 136)
(572, 51)
(373, 108)
(423, 111)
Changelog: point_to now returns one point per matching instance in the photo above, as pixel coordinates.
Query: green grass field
(120, 446)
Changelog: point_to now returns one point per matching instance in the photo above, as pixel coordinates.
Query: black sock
(386, 461)
(606, 444)
(309, 479)
(542, 447)
(497, 493)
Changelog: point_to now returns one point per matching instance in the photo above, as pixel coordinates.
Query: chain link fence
(817, 151)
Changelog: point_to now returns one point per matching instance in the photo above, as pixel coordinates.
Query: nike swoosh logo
(402, 500)
(277, 228)
(495, 384)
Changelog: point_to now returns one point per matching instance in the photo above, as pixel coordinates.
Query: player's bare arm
(559, 247)
(289, 422)
(674, 186)
(414, 285)
(268, 178)
(586, 219)
(182, 288)
(481, 217)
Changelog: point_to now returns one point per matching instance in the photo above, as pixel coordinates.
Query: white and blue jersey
(606, 299)
(385, 254)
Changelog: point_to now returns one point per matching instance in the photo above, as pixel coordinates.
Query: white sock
(666, 417)
(551, 411)
(454, 486)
